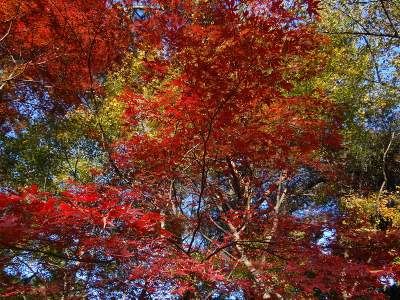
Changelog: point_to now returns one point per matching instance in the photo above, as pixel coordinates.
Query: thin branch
(203, 185)
(7, 33)
(374, 60)
(224, 251)
(51, 254)
(217, 225)
(359, 33)
(388, 17)
(385, 177)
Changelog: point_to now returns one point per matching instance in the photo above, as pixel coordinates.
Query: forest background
(199, 149)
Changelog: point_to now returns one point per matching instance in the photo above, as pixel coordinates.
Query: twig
(385, 177)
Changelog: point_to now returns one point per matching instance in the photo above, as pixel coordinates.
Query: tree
(70, 245)
(56, 53)
(217, 150)
(362, 77)
(55, 56)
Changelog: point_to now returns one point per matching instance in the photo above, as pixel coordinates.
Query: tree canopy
(199, 149)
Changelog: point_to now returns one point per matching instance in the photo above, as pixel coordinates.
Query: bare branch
(366, 33)
(7, 33)
(385, 153)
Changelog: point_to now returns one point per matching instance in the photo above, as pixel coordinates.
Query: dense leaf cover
(217, 141)
(57, 51)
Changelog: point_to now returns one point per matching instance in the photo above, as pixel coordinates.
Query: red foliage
(59, 47)
(212, 159)
(81, 228)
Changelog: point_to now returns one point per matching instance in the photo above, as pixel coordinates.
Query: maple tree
(57, 52)
(206, 194)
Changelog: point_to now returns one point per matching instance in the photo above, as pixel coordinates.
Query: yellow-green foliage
(386, 206)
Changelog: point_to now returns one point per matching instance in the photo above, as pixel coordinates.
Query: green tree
(363, 77)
